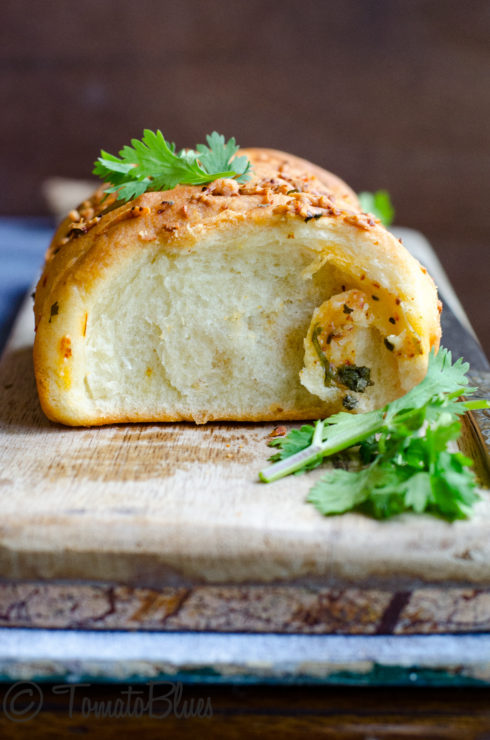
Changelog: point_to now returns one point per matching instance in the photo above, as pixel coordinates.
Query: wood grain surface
(179, 505)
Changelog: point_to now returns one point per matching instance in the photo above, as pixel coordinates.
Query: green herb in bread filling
(329, 369)
(356, 378)
(349, 402)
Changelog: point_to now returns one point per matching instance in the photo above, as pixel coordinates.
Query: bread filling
(348, 353)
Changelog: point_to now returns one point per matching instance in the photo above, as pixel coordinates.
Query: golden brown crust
(281, 184)
(98, 235)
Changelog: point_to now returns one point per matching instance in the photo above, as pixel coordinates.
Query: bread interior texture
(211, 332)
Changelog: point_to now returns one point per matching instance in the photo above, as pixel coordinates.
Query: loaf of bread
(270, 300)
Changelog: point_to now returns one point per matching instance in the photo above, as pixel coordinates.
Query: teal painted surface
(379, 676)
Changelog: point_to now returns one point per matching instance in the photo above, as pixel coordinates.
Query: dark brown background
(260, 712)
(386, 93)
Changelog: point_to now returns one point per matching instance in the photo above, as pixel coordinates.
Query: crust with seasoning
(273, 299)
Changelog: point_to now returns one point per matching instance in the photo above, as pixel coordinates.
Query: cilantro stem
(476, 405)
(318, 433)
(368, 424)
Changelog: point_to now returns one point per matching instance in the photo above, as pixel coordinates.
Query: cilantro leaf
(404, 448)
(379, 204)
(218, 156)
(453, 486)
(386, 489)
(296, 440)
(442, 378)
(339, 491)
(418, 491)
(152, 164)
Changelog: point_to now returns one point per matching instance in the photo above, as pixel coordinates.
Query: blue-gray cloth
(23, 242)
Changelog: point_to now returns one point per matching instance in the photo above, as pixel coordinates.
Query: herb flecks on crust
(277, 183)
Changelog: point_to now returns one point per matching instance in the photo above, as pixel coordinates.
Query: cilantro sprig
(379, 204)
(406, 463)
(153, 164)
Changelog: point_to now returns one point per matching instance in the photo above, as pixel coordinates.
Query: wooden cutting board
(166, 527)
(174, 504)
